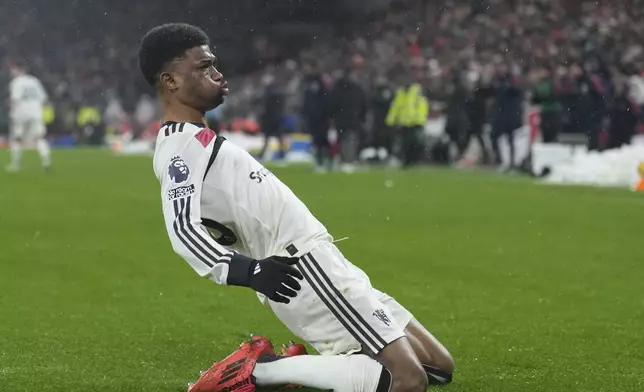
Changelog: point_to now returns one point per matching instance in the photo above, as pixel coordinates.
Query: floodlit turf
(532, 288)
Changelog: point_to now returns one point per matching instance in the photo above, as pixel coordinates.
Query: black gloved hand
(275, 277)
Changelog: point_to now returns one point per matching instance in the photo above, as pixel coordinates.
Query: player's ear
(168, 81)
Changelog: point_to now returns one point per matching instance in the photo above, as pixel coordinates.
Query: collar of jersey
(201, 125)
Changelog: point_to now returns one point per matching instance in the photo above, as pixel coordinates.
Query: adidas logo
(258, 269)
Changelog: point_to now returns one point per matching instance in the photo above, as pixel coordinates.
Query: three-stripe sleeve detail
(193, 238)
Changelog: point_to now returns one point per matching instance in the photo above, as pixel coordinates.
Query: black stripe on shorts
(343, 311)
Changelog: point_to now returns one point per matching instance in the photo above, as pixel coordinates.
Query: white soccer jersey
(27, 97)
(218, 201)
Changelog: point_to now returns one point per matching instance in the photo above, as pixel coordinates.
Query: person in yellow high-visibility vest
(88, 121)
(49, 114)
(408, 114)
(88, 115)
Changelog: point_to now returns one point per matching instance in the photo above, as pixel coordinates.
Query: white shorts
(337, 311)
(27, 128)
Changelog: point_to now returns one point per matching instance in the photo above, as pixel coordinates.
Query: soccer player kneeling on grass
(236, 224)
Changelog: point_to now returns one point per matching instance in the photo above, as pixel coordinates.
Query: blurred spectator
(349, 109)
(545, 95)
(145, 112)
(478, 110)
(381, 98)
(315, 113)
(507, 113)
(624, 114)
(114, 116)
(114, 112)
(272, 114)
(408, 113)
(588, 105)
(458, 125)
(636, 89)
(89, 124)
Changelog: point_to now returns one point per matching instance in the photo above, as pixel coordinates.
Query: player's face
(14, 71)
(200, 84)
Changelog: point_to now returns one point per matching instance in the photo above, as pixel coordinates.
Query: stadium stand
(87, 59)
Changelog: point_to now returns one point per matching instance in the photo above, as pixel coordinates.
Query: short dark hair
(165, 43)
(17, 62)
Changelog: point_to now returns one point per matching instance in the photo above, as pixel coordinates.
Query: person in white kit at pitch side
(27, 97)
(236, 224)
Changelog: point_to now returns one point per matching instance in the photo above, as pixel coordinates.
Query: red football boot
(235, 372)
(291, 350)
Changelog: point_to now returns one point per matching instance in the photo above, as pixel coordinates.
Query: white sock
(44, 151)
(16, 153)
(354, 373)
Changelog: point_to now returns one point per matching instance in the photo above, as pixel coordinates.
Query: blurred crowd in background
(374, 73)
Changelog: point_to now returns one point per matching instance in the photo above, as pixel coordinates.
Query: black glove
(275, 277)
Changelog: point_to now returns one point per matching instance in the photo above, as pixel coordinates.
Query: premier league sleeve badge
(178, 170)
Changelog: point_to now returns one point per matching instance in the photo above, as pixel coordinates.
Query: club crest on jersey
(382, 316)
(178, 170)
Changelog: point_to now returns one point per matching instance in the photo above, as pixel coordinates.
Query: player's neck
(181, 113)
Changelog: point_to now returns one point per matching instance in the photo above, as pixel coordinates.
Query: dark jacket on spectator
(477, 107)
(349, 104)
(381, 100)
(457, 125)
(273, 109)
(507, 113)
(624, 115)
(588, 103)
(315, 107)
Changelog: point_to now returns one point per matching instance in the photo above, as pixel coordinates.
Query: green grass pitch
(531, 288)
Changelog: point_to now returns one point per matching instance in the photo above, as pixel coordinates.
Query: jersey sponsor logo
(181, 191)
(382, 316)
(259, 175)
(178, 170)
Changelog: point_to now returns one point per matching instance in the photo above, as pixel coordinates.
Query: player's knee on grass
(436, 376)
(407, 373)
(445, 362)
(441, 361)
(436, 360)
